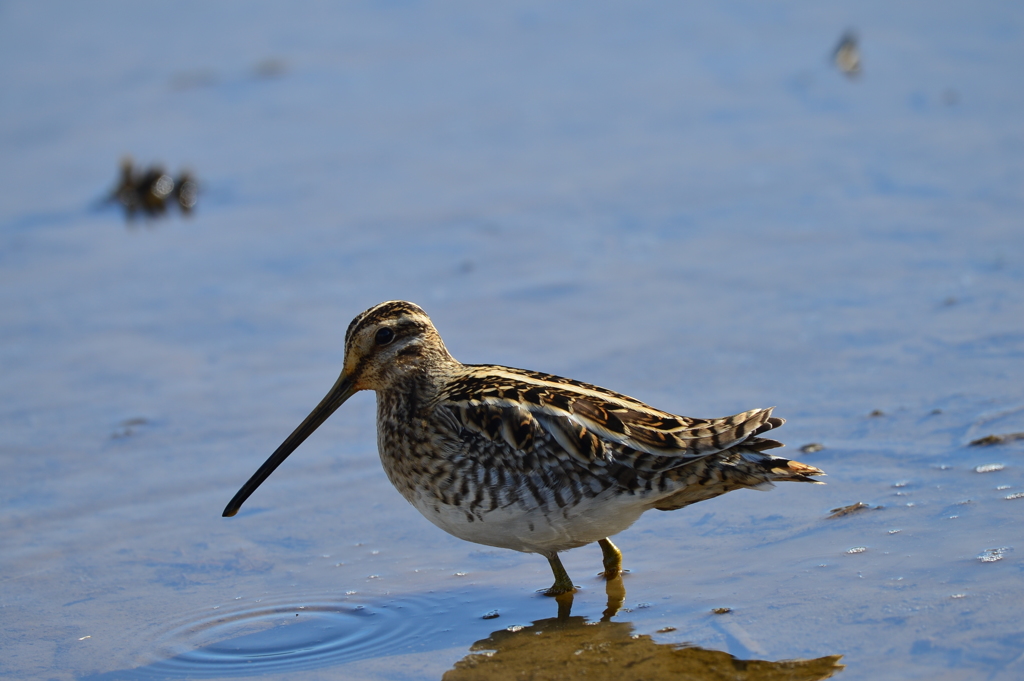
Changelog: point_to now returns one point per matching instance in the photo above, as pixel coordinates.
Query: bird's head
(390, 344)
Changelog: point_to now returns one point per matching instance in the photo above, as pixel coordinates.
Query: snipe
(525, 460)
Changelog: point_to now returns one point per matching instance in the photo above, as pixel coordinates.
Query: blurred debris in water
(128, 427)
(270, 68)
(186, 190)
(993, 555)
(150, 190)
(989, 440)
(851, 509)
(266, 69)
(847, 55)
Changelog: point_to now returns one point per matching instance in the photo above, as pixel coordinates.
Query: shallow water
(690, 205)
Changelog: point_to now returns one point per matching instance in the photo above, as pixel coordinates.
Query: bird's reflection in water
(567, 647)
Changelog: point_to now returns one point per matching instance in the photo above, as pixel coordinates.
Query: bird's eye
(384, 336)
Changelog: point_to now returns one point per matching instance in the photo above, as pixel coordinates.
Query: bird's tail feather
(738, 468)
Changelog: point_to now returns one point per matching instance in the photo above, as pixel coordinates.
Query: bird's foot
(557, 590)
(612, 559)
(562, 585)
(609, 574)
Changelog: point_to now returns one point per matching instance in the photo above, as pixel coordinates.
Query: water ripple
(258, 638)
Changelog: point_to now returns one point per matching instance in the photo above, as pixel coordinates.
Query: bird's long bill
(341, 391)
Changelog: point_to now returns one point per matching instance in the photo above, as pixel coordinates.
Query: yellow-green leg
(562, 585)
(612, 559)
(564, 606)
(616, 592)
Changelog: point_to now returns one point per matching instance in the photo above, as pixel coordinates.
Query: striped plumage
(525, 460)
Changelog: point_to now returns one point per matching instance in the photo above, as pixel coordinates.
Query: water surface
(690, 205)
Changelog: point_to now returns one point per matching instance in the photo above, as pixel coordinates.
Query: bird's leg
(612, 559)
(564, 606)
(562, 585)
(616, 592)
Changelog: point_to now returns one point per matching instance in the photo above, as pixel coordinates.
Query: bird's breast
(486, 492)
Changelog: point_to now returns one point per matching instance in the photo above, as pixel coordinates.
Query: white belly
(533, 531)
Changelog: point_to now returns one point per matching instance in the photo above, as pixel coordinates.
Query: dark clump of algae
(571, 647)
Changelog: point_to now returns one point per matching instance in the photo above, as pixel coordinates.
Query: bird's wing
(592, 425)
